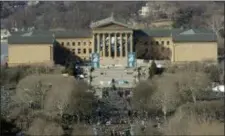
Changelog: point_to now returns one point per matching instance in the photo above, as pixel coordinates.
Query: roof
(194, 35)
(30, 39)
(195, 38)
(180, 35)
(109, 20)
(157, 32)
(191, 31)
(83, 33)
(73, 34)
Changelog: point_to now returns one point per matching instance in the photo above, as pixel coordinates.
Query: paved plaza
(124, 77)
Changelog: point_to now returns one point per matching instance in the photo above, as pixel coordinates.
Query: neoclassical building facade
(113, 40)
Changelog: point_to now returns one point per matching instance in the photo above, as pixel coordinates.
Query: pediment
(109, 23)
(112, 26)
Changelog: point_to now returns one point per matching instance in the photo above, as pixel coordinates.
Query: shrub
(70, 69)
(152, 69)
(213, 72)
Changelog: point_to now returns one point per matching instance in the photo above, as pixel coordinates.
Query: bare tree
(82, 102)
(166, 98)
(185, 121)
(216, 23)
(34, 98)
(142, 95)
(41, 126)
(193, 84)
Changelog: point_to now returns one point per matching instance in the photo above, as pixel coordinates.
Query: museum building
(113, 40)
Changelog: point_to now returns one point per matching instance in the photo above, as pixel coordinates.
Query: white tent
(219, 88)
(159, 66)
(81, 76)
(101, 83)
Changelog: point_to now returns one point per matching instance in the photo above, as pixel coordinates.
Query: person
(95, 131)
(158, 122)
(108, 122)
(129, 113)
(20, 134)
(111, 133)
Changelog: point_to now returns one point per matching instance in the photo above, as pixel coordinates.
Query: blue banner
(131, 60)
(95, 60)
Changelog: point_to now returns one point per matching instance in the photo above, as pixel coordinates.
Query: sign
(95, 60)
(131, 60)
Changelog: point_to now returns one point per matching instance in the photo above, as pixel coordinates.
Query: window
(73, 43)
(68, 43)
(73, 51)
(89, 43)
(78, 51)
(62, 43)
(152, 43)
(162, 42)
(168, 42)
(90, 51)
(84, 51)
(157, 43)
(78, 43)
(84, 43)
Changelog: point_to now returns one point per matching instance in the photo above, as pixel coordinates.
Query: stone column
(109, 44)
(103, 44)
(121, 45)
(131, 42)
(126, 45)
(115, 48)
(93, 43)
(98, 43)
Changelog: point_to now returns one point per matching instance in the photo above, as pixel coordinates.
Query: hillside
(74, 15)
(77, 15)
(69, 15)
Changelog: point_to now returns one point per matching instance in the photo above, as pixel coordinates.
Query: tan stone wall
(19, 54)
(77, 46)
(195, 51)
